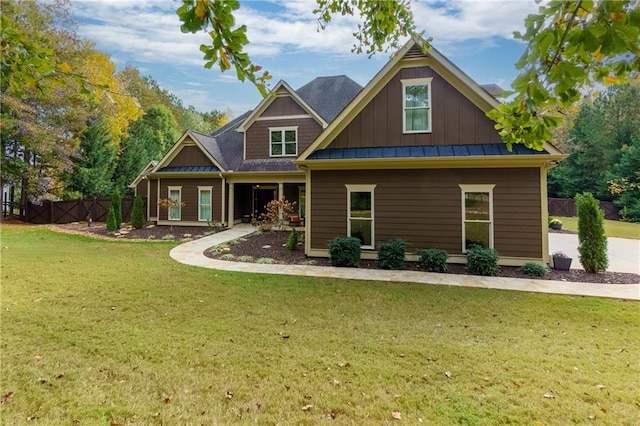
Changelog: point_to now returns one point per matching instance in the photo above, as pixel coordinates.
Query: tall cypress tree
(591, 236)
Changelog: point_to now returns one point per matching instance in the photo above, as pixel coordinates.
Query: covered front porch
(246, 201)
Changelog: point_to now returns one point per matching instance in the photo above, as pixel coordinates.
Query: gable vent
(414, 53)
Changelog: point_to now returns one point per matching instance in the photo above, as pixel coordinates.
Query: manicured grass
(613, 228)
(95, 332)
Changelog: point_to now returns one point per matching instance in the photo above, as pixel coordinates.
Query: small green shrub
(116, 203)
(112, 225)
(292, 241)
(266, 261)
(433, 260)
(168, 237)
(482, 261)
(592, 240)
(345, 251)
(534, 269)
(245, 258)
(137, 215)
(391, 254)
(227, 256)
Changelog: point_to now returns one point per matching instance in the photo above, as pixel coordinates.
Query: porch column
(280, 197)
(231, 204)
(223, 208)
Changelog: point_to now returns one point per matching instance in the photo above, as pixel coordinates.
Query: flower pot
(562, 263)
(556, 226)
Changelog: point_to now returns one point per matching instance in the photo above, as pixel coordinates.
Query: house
(411, 155)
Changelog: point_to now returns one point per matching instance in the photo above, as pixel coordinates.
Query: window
(302, 201)
(204, 203)
(477, 216)
(284, 141)
(416, 105)
(175, 194)
(360, 218)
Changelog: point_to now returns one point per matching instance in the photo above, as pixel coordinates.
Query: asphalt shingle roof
(329, 95)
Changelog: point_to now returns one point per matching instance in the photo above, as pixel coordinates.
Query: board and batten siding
(190, 197)
(455, 119)
(423, 207)
(283, 105)
(190, 156)
(257, 137)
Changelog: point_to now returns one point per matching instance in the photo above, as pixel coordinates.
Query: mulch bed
(272, 245)
(255, 244)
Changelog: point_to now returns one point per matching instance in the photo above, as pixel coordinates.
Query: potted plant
(555, 223)
(561, 261)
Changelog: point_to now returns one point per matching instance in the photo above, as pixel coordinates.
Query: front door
(261, 197)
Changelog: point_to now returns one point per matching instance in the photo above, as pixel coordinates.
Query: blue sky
(474, 34)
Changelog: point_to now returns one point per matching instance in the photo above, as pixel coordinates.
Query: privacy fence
(567, 207)
(68, 211)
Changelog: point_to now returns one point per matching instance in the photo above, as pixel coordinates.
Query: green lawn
(613, 228)
(95, 332)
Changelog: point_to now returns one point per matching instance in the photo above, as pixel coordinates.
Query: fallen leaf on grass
(448, 374)
(167, 400)
(228, 394)
(307, 407)
(396, 415)
(257, 406)
(344, 364)
(37, 357)
(600, 386)
(6, 397)
(604, 410)
(60, 376)
(591, 416)
(331, 416)
(549, 395)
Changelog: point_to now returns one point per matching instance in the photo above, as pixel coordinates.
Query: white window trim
(283, 129)
(179, 189)
(415, 82)
(464, 188)
(200, 190)
(362, 188)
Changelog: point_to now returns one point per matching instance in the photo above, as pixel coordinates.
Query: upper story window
(283, 141)
(416, 105)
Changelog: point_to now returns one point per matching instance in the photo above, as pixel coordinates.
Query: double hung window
(416, 105)
(283, 141)
(175, 210)
(204, 203)
(360, 215)
(477, 216)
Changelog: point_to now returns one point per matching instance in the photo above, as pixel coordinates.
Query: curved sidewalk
(192, 253)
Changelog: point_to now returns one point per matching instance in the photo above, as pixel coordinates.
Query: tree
(112, 225)
(591, 236)
(385, 24)
(571, 45)
(92, 165)
(149, 139)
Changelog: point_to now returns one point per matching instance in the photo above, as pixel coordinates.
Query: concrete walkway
(191, 253)
(624, 254)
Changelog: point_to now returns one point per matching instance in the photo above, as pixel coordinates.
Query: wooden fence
(566, 207)
(75, 210)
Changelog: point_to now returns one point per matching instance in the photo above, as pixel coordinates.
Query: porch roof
(423, 152)
(188, 169)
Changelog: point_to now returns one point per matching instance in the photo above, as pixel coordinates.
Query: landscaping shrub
(534, 269)
(112, 226)
(292, 241)
(434, 260)
(345, 251)
(591, 236)
(482, 261)
(391, 254)
(116, 204)
(137, 215)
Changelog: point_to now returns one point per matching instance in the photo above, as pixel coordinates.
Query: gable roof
(198, 139)
(225, 143)
(264, 104)
(147, 169)
(411, 51)
(329, 95)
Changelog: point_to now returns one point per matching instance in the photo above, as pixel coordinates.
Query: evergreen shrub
(292, 241)
(116, 204)
(592, 240)
(391, 254)
(137, 214)
(345, 251)
(434, 260)
(112, 226)
(482, 261)
(534, 269)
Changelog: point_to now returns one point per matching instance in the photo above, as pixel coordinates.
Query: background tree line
(602, 137)
(72, 125)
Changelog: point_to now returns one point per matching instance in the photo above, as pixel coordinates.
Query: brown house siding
(257, 136)
(141, 188)
(283, 105)
(190, 156)
(190, 197)
(455, 119)
(423, 207)
(152, 202)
